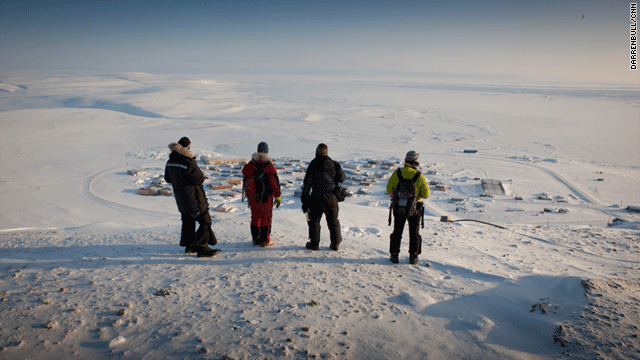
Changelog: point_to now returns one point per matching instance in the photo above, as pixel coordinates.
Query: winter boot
(265, 239)
(312, 247)
(334, 247)
(255, 235)
(205, 251)
(413, 259)
(394, 258)
(190, 249)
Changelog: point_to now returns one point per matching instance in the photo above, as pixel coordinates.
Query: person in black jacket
(186, 178)
(318, 197)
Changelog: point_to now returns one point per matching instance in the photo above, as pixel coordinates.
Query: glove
(305, 209)
(278, 202)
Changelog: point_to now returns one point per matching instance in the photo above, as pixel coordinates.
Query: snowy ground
(90, 268)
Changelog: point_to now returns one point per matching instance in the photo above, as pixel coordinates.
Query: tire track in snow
(84, 188)
(576, 189)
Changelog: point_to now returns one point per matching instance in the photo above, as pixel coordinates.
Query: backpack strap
(414, 179)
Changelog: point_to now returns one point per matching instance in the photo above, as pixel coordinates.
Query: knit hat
(412, 156)
(322, 150)
(263, 148)
(184, 141)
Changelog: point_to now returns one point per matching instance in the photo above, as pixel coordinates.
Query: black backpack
(404, 197)
(258, 185)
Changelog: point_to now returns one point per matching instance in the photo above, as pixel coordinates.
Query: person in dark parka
(318, 197)
(186, 178)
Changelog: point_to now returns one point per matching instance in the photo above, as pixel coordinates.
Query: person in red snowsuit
(262, 187)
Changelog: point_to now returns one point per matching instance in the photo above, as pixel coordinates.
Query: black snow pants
(192, 238)
(327, 205)
(415, 240)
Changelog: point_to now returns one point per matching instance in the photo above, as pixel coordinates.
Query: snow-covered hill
(90, 268)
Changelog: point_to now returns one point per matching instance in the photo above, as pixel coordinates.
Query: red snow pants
(262, 214)
(261, 217)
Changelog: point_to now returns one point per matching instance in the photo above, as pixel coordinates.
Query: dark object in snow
(50, 325)
(481, 222)
(559, 337)
(492, 187)
(154, 190)
(471, 151)
(632, 208)
(542, 307)
(164, 293)
(544, 196)
(617, 221)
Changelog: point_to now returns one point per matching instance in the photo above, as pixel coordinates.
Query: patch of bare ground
(609, 326)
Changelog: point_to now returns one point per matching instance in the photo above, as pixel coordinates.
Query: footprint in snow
(360, 231)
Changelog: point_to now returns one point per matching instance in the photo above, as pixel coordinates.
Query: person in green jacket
(406, 213)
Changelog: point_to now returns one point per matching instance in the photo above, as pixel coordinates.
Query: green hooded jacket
(408, 172)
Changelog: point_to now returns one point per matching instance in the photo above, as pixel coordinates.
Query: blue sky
(540, 40)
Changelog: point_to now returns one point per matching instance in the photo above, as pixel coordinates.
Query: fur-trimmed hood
(261, 157)
(174, 146)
